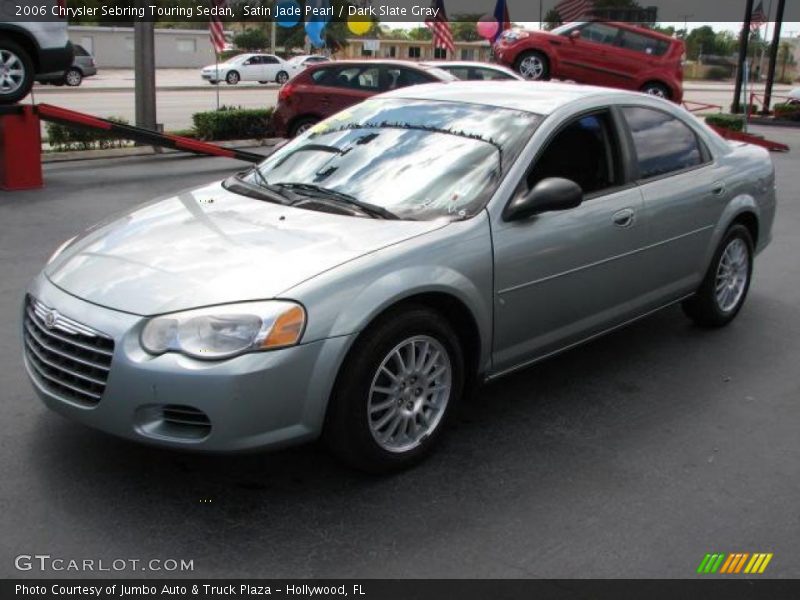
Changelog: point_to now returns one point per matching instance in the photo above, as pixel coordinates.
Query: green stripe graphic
(703, 563)
(718, 564)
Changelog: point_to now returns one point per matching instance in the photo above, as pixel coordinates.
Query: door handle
(624, 217)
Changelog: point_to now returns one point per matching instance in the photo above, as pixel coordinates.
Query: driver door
(252, 69)
(562, 276)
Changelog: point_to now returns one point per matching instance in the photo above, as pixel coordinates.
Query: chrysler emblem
(50, 319)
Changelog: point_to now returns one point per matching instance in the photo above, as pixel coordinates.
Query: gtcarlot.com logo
(734, 563)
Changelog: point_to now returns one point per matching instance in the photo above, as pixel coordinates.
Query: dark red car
(605, 53)
(324, 89)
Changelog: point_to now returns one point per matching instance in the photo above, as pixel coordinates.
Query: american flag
(573, 10)
(442, 35)
(215, 30)
(757, 18)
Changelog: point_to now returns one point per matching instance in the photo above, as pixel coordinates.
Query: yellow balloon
(359, 25)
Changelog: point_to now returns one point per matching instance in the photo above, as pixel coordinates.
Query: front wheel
(232, 78)
(16, 72)
(533, 65)
(73, 77)
(395, 392)
(724, 289)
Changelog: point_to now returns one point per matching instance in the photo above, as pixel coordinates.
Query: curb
(78, 155)
(769, 122)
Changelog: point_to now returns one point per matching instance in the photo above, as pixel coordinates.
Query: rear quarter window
(643, 43)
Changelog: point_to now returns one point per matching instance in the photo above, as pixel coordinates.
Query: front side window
(600, 33)
(420, 160)
(585, 151)
(399, 77)
(664, 144)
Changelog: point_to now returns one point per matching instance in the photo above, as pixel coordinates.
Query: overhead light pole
(773, 55)
(744, 38)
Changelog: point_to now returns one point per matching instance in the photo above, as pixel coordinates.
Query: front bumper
(253, 401)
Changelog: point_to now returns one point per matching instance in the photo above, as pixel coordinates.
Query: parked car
(324, 89)
(475, 71)
(264, 68)
(358, 281)
(306, 60)
(610, 54)
(30, 49)
(794, 96)
(83, 65)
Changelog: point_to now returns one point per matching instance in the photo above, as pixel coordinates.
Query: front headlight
(224, 331)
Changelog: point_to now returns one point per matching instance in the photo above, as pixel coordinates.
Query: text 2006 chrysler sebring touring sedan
(366, 274)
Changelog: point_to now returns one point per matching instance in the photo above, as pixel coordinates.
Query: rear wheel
(724, 289)
(533, 65)
(16, 72)
(282, 77)
(302, 125)
(395, 392)
(73, 77)
(232, 78)
(656, 89)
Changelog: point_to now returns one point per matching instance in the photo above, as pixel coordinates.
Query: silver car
(368, 274)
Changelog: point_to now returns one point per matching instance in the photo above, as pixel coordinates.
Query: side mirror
(551, 194)
(575, 34)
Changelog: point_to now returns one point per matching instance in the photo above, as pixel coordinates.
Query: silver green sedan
(357, 283)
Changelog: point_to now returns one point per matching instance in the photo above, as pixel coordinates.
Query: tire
(282, 77)
(73, 77)
(378, 427)
(654, 88)
(16, 78)
(213, 82)
(301, 125)
(232, 78)
(533, 65)
(263, 82)
(731, 271)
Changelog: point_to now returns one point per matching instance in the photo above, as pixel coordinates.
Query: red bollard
(20, 149)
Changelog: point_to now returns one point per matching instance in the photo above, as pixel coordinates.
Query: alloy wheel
(531, 67)
(409, 393)
(73, 77)
(12, 72)
(732, 274)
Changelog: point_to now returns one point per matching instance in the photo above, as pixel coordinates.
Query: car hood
(210, 246)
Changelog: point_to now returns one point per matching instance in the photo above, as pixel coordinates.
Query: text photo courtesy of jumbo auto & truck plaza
(399, 299)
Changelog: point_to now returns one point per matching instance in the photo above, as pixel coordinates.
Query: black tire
(73, 77)
(347, 429)
(704, 308)
(11, 93)
(213, 82)
(526, 63)
(263, 82)
(301, 124)
(232, 78)
(657, 89)
(282, 77)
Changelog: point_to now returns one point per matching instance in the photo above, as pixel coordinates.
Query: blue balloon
(314, 30)
(287, 13)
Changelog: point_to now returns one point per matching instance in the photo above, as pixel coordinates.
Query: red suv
(600, 53)
(324, 89)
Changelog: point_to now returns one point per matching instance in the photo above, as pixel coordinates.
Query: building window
(392, 51)
(365, 52)
(440, 53)
(187, 45)
(467, 54)
(414, 52)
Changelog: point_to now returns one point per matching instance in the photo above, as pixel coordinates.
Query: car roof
(379, 62)
(541, 98)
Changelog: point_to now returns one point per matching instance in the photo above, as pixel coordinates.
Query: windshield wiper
(265, 191)
(313, 190)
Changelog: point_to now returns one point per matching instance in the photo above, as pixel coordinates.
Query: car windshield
(418, 160)
(567, 27)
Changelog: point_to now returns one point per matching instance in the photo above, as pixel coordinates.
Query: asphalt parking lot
(632, 456)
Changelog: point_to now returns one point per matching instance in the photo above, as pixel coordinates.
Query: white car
(264, 68)
(476, 71)
(794, 96)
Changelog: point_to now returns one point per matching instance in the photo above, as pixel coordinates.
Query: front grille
(68, 358)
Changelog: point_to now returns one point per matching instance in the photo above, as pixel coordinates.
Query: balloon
(287, 13)
(487, 27)
(359, 25)
(314, 31)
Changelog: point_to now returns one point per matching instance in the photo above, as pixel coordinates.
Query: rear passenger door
(682, 198)
(352, 84)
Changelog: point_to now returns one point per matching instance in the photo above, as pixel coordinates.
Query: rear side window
(357, 78)
(80, 50)
(320, 75)
(643, 43)
(663, 143)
